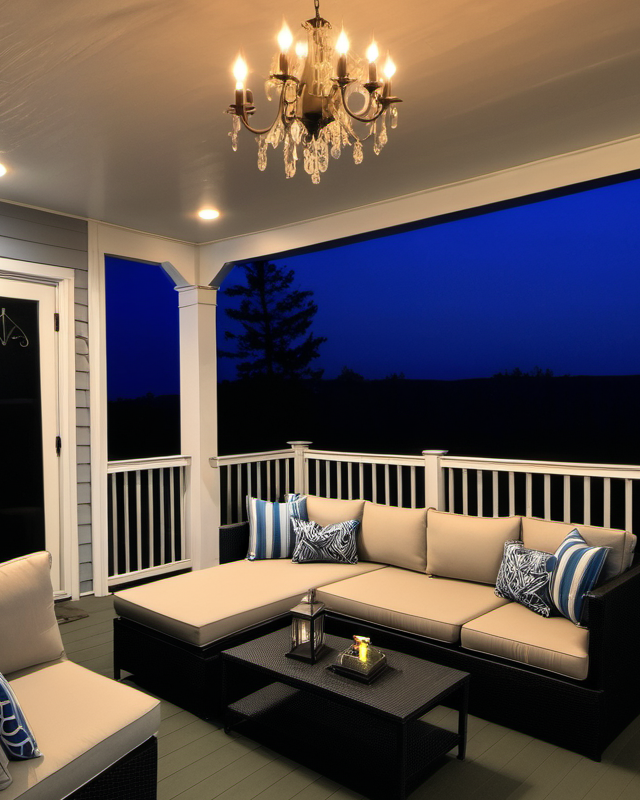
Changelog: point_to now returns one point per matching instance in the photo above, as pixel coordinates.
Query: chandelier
(317, 99)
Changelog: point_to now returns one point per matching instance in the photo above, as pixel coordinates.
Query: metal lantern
(307, 629)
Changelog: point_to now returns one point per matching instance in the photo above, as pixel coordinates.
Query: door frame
(63, 278)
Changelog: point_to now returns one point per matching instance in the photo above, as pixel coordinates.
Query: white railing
(591, 494)
(147, 517)
(269, 476)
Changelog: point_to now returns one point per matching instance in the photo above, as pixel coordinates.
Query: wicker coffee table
(370, 738)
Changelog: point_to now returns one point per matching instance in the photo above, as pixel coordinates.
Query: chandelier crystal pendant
(316, 97)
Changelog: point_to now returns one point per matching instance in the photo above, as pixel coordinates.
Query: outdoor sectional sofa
(96, 736)
(424, 584)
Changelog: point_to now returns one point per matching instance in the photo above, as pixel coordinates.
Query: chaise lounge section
(424, 584)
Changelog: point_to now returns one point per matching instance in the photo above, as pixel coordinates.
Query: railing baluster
(465, 492)
(529, 494)
(172, 512)
(479, 491)
(259, 480)
(494, 482)
(127, 543)
(628, 504)
(387, 481)
(152, 562)
(138, 519)
(268, 468)
(249, 482)
(587, 499)
(228, 474)
(183, 529)
(374, 482)
(338, 480)
(399, 480)
(162, 531)
(361, 480)
(412, 473)
(317, 489)
(114, 522)
(278, 466)
(566, 498)
(607, 502)
(547, 496)
(512, 493)
(239, 496)
(452, 506)
(350, 468)
(327, 477)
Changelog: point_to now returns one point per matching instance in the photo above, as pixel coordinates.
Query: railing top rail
(159, 462)
(365, 458)
(243, 458)
(542, 467)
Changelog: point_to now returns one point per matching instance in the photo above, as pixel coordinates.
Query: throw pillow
(5, 777)
(335, 543)
(270, 531)
(524, 576)
(576, 572)
(15, 735)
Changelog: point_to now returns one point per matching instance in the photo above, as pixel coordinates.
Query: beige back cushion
(396, 536)
(541, 534)
(326, 511)
(468, 548)
(29, 631)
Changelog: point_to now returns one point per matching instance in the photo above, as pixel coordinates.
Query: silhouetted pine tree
(276, 341)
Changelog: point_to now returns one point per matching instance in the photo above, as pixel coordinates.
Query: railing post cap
(434, 452)
(299, 444)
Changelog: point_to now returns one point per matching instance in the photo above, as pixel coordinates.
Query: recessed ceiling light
(208, 213)
(3, 170)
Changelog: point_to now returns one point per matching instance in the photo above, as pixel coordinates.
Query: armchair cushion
(29, 632)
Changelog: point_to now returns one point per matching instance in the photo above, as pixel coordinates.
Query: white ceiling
(113, 109)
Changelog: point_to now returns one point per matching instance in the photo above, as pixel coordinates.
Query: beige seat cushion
(29, 632)
(326, 510)
(516, 633)
(409, 601)
(465, 547)
(396, 536)
(83, 723)
(200, 607)
(541, 534)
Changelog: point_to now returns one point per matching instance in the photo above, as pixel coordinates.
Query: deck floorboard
(198, 761)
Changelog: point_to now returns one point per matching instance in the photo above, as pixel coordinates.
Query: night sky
(553, 284)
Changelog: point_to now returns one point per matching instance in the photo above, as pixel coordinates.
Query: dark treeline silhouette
(568, 418)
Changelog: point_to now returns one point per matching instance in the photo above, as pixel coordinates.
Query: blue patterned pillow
(270, 531)
(524, 576)
(576, 572)
(15, 735)
(335, 543)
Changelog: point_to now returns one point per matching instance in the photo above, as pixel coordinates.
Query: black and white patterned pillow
(524, 576)
(335, 543)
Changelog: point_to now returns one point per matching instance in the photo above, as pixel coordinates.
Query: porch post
(299, 472)
(433, 483)
(199, 419)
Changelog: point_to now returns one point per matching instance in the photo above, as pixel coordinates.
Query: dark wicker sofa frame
(583, 716)
(133, 777)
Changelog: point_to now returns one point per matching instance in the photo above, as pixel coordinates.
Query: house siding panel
(28, 234)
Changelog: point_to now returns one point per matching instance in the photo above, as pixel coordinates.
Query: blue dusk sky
(553, 283)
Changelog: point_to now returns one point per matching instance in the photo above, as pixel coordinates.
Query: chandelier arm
(383, 102)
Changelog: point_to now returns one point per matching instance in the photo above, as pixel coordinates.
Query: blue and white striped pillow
(270, 530)
(16, 737)
(577, 569)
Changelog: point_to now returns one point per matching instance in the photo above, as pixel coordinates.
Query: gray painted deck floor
(198, 761)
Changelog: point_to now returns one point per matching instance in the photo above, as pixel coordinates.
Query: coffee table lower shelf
(344, 743)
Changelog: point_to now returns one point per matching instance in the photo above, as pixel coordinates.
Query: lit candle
(342, 48)
(362, 645)
(240, 72)
(285, 40)
(389, 71)
(372, 55)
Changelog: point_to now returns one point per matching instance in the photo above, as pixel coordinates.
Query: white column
(299, 471)
(199, 419)
(433, 485)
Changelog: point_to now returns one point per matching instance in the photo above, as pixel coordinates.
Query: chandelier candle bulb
(240, 72)
(372, 55)
(285, 40)
(342, 47)
(389, 72)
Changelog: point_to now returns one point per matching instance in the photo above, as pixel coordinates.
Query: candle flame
(285, 38)
(240, 71)
(361, 645)
(372, 52)
(342, 45)
(389, 68)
